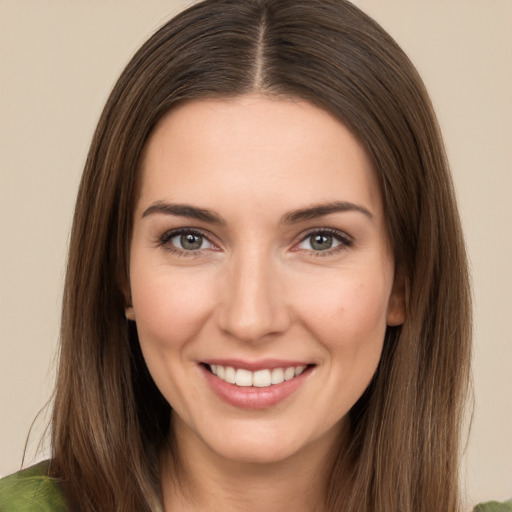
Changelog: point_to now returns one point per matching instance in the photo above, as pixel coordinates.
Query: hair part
(331, 54)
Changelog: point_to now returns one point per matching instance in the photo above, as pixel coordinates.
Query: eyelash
(345, 241)
(164, 241)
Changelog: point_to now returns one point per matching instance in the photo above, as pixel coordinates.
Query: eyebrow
(292, 217)
(320, 210)
(184, 210)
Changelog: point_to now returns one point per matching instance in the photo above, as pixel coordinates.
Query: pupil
(321, 242)
(191, 242)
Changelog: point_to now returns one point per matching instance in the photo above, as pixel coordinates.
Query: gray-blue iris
(321, 242)
(191, 242)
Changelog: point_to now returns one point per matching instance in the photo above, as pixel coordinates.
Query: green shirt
(31, 490)
(494, 506)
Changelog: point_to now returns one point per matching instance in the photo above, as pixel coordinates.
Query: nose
(253, 307)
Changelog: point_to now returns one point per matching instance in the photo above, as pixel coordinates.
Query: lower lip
(251, 397)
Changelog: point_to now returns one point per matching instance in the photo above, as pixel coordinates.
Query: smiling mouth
(259, 379)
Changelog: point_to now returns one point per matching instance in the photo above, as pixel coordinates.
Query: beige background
(58, 61)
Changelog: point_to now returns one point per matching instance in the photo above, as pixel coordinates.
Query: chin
(256, 453)
(253, 446)
(270, 445)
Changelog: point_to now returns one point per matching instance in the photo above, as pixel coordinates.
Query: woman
(266, 279)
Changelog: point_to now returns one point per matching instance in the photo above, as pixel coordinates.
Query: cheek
(349, 321)
(348, 318)
(169, 307)
(170, 310)
(351, 311)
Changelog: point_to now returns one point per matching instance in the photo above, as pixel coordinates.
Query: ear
(396, 305)
(129, 312)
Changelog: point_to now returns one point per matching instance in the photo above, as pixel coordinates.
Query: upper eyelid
(170, 233)
(331, 231)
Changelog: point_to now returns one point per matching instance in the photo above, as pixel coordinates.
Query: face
(261, 280)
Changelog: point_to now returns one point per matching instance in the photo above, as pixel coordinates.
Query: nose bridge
(253, 305)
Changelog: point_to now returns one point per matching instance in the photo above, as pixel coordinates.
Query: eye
(324, 241)
(185, 240)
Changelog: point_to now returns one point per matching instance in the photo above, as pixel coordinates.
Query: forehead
(255, 151)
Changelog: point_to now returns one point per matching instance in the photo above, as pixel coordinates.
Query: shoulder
(31, 490)
(494, 506)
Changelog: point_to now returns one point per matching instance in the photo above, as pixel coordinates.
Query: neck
(195, 478)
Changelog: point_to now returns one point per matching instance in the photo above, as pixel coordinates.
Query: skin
(257, 289)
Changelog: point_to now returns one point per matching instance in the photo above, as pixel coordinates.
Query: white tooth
(289, 373)
(261, 378)
(299, 370)
(243, 377)
(213, 368)
(220, 371)
(277, 376)
(229, 375)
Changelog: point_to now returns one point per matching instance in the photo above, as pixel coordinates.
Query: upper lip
(262, 364)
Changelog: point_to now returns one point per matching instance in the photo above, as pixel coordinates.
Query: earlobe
(396, 305)
(129, 312)
(396, 315)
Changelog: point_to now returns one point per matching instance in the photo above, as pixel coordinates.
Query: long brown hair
(109, 419)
